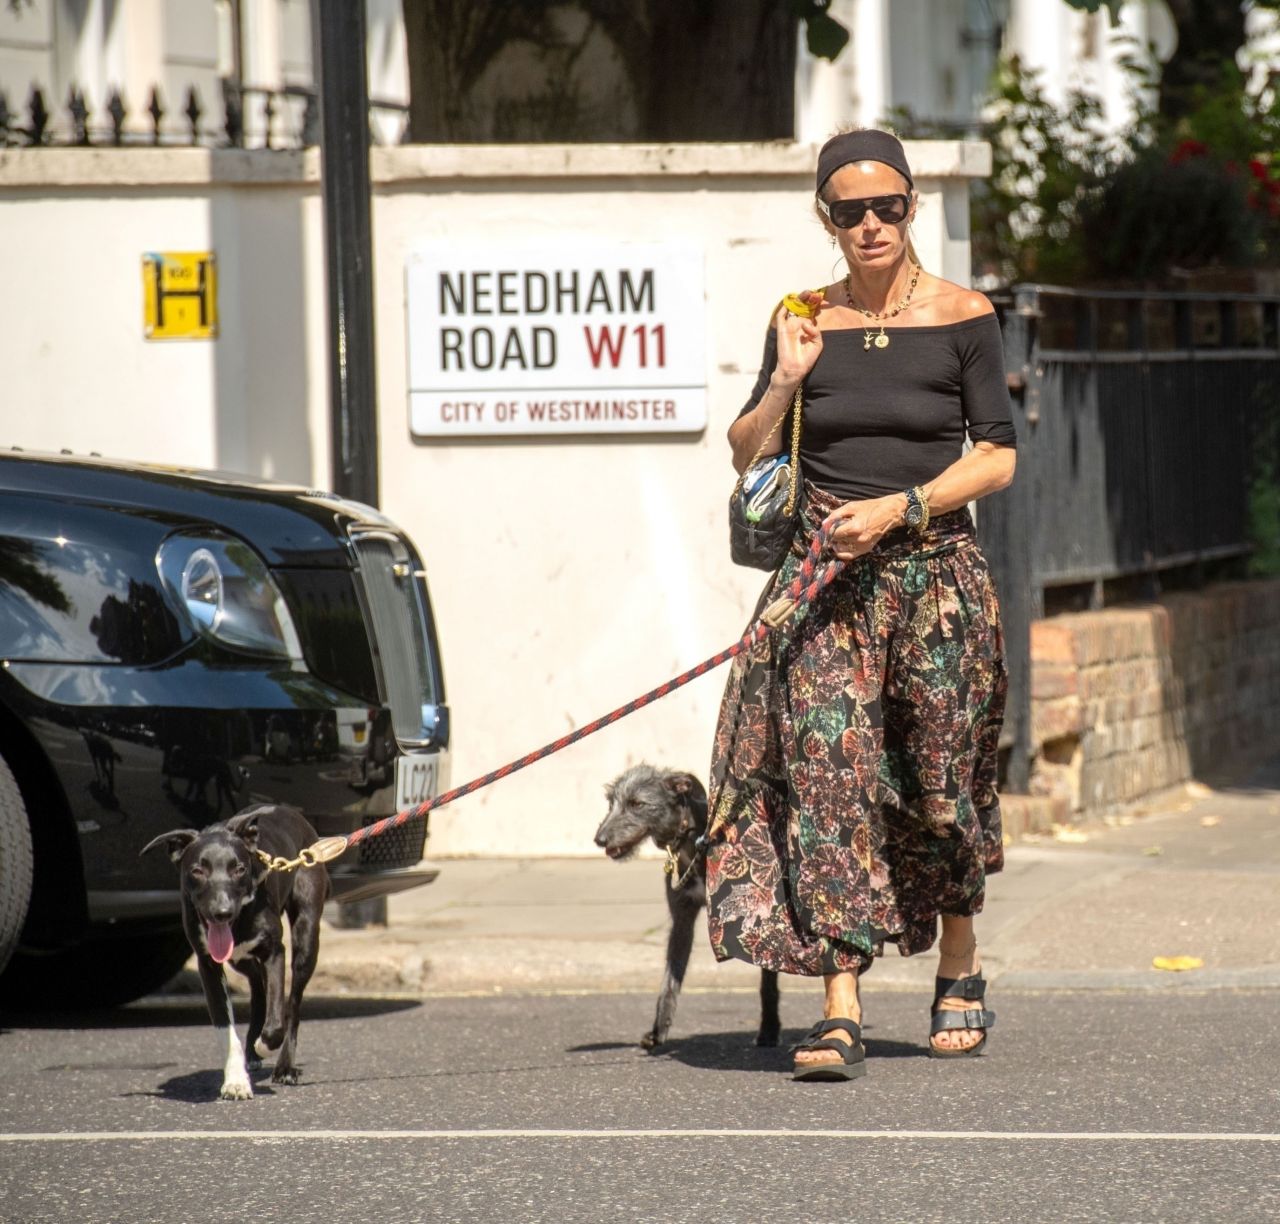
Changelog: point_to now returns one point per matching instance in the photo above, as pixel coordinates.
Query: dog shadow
(202, 1087)
(737, 1051)
(182, 1012)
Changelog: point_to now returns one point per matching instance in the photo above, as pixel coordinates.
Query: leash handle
(805, 586)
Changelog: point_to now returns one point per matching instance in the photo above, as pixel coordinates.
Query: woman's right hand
(799, 339)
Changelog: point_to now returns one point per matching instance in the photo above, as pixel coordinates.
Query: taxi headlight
(227, 593)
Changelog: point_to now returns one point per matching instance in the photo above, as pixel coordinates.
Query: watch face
(914, 515)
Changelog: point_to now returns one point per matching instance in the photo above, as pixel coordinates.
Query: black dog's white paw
(652, 1040)
(236, 1090)
(286, 1075)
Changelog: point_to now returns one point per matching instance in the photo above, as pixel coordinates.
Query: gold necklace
(882, 340)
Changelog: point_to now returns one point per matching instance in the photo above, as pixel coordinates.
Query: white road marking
(204, 1136)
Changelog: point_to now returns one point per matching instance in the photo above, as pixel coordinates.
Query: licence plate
(416, 779)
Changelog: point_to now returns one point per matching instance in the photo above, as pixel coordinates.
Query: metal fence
(247, 116)
(1145, 422)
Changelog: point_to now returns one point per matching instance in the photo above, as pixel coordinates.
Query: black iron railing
(250, 116)
(1144, 422)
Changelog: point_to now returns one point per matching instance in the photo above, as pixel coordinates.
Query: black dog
(231, 910)
(671, 808)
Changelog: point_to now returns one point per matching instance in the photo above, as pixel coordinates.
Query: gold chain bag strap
(763, 514)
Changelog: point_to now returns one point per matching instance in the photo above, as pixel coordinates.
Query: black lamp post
(344, 164)
(348, 242)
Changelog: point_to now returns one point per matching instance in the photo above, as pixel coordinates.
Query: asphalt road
(1092, 1105)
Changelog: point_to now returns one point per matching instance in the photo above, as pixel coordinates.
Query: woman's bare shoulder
(960, 303)
(948, 302)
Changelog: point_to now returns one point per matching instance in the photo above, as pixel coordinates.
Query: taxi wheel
(15, 863)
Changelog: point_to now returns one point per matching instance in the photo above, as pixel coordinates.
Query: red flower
(1184, 150)
(1265, 192)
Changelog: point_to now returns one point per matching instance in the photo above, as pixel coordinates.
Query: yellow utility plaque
(179, 295)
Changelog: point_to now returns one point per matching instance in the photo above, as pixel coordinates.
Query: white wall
(76, 224)
(569, 575)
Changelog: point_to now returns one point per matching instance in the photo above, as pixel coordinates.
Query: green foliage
(1158, 213)
(1200, 191)
(1264, 487)
(1067, 204)
(1047, 160)
(1234, 123)
(1264, 523)
(824, 35)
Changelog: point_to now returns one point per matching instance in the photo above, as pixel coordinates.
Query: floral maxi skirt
(853, 781)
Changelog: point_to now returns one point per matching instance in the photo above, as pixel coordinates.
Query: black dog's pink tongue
(220, 940)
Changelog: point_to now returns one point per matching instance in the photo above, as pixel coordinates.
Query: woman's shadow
(736, 1051)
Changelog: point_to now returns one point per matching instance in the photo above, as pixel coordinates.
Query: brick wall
(1131, 700)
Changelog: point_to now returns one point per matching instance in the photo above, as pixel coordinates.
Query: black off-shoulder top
(877, 421)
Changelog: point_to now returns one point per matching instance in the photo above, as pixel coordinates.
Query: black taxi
(175, 645)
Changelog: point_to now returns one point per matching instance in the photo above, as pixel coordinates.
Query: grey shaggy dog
(671, 808)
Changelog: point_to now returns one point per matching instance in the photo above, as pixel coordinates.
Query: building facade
(262, 50)
(933, 58)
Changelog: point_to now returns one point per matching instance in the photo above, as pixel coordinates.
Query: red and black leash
(800, 592)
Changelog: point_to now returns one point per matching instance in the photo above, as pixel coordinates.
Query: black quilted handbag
(763, 513)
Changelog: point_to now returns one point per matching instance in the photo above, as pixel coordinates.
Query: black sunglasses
(845, 214)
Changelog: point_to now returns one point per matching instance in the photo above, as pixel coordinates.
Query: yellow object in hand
(794, 304)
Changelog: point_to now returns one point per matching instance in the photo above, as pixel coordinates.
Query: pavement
(1193, 872)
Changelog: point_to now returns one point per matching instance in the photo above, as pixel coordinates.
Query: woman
(853, 781)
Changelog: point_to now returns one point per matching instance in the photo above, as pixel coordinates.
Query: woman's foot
(842, 1002)
(958, 960)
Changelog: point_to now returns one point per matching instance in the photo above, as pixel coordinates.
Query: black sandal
(972, 989)
(852, 1053)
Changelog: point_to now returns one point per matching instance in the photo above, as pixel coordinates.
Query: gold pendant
(866, 342)
(882, 340)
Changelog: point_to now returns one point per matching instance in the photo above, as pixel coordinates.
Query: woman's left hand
(862, 525)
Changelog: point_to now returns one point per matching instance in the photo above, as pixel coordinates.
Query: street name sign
(556, 338)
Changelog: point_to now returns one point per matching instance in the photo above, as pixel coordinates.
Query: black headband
(869, 145)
